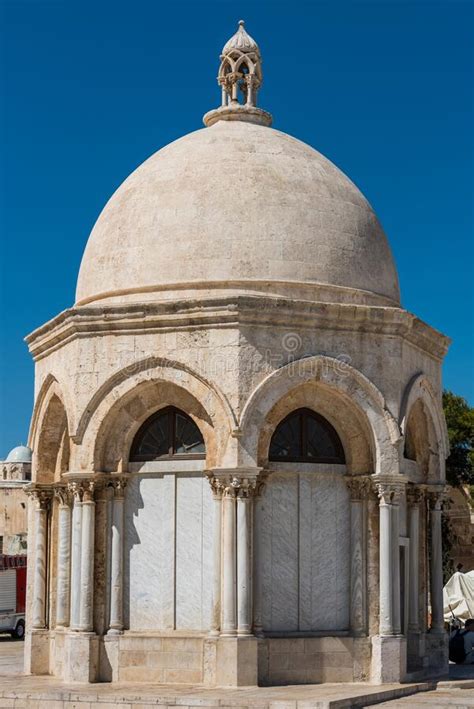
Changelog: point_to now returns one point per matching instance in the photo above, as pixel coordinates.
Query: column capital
(359, 486)
(63, 494)
(389, 488)
(241, 483)
(118, 484)
(40, 494)
(437, 497)
(415, 494)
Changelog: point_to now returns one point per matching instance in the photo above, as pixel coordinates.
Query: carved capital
(75, 490)
(119, 485)
(239, 482)
(437, 499)
(88, 488)
(389, 493)
(415, 495)
(63, 495)
(359, 486)
(217, 487)
(41, 497)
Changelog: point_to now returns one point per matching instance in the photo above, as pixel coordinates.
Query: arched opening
(169, 433)
(303, 518)
(51, 454)
(306, 437)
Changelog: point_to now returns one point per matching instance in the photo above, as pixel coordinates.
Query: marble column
(414, 498)
(229, 605)
(63, 589)
(436, 499)
(87, 559)
(217, 492)
(42, 501)
(396, 590)
(244, 571)
(359, 489)
(389, 556)
(257, 568)
(116, 562)
(76, 543)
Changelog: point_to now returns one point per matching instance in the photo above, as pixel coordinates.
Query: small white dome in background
(20, 454)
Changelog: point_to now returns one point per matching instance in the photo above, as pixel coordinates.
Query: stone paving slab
(441, 699)
(45, 692)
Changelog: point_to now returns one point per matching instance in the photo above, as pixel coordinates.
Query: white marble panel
(144, 552)
(306, 486)
(189, 552)
(280, 581)
(207, 555)
(167, 543)
(330, 549)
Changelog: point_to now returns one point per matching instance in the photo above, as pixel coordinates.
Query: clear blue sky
(89, 90)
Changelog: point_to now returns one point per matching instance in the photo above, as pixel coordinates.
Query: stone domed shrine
(238, 439)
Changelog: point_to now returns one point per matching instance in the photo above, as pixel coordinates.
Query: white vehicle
(12, 595)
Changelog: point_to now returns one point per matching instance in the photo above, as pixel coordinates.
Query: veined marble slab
(304, 520)
(168, 552)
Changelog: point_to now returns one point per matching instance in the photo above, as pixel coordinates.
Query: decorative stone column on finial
(240, 77)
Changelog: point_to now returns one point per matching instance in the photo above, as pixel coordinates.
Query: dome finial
(240, 77)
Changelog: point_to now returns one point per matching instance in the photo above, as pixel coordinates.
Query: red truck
(12, 595)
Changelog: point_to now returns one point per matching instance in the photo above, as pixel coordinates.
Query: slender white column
(64, 558)
(395, 512)
(76, 543)
(385, 557)
(244, 573)
(116, 565)
(389, 493)
(358, 487)
(217, 490)
(257, 568)
(436, 562)
(42, 500)
(414, 498)
(229, 585)
(87, 559)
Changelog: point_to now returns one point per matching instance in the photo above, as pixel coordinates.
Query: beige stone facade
(15, 473)
(236, 277)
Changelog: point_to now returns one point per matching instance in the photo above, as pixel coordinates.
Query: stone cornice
(225, 311)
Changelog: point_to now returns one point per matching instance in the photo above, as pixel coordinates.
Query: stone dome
(19, 454)
(237, 206)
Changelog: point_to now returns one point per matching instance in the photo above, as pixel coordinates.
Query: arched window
(170, 433)
(306, 437)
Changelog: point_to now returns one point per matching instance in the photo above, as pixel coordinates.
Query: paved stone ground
(18, 691)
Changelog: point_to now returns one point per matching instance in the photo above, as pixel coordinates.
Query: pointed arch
(352, 390)
(421, 415)
(126, 399)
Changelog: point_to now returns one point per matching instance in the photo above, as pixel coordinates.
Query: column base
(389, 659)
(37, 647)
(81, 657)
(236, 661)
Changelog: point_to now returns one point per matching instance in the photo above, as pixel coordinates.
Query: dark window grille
(170, 433)
(306, 437)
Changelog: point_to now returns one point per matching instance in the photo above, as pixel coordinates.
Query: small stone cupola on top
(238, 208)
(240, 77)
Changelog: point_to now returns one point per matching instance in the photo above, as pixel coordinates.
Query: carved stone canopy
(240, 77)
